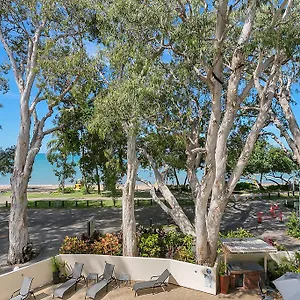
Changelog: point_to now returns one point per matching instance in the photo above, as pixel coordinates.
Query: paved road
(48, 227)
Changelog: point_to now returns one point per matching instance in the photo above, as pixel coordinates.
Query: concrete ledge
(187, 275)
(184, 274)
(41, 272)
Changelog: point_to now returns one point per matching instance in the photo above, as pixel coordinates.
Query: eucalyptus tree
(269, 162)
(236, 51)
(283, 116)
(59, 156)
(44, 44)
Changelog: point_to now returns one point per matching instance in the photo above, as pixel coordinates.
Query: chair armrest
(154, 276)
(14, 293)
(269, 291)
(100, 277)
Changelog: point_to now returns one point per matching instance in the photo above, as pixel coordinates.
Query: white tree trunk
(128, 218)
(173, 209)
(18, 225)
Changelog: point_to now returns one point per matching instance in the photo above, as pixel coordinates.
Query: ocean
(43, 173)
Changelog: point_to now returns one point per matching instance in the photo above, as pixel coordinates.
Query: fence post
(269, 195)
(151, 222)
(87, 203)
(278, 194)
(49, 203)
(6, 204)
(138, 202)
(101, 203)
(114, 202)
(63, 203)
(76, 203)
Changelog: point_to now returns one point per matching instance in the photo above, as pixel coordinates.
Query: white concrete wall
(9, 282)
(141, 268)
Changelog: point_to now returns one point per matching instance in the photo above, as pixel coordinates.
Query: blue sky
(10, 113)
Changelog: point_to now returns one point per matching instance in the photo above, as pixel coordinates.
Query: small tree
(7, 160)
(58, 156)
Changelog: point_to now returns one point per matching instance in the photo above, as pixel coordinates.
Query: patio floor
(125, 293)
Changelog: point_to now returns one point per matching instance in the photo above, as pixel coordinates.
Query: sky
(10, 112)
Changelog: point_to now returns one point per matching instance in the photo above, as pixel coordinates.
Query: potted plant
(224, 278)
(55, 266)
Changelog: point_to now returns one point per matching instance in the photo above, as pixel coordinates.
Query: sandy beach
(53, 187)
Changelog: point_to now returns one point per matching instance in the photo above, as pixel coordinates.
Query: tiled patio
(125, 293)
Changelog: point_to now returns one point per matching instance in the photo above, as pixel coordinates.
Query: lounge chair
(265, 295)
(24, 291)
(74, 279)
(105, 279)
(159, 282)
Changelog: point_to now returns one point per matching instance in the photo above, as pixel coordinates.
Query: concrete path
(48, 227)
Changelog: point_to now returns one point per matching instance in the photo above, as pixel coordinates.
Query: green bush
(150, 245)
(276, 270)
(67, 190)
(185, 250)
(238, 233)
(293, 226)
(241, 186)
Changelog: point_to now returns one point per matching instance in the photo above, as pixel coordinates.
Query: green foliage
(7, 160)
(66, 190)
(293, 225)
(222, 268)
(276, 270)
(57, 265)
(242, 186)
(58, 156)
(165, 242)
(150, 245)
(238, 233)
(269, 159)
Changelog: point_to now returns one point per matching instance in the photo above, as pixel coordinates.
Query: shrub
(185, 250)
(245, 186)
(67, 190)
(150, 245)
(276, 270)
(238, 233)
(109, 244)
(293, 226)
(73, 245)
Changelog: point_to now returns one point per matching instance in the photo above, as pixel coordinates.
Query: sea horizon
(43, 173)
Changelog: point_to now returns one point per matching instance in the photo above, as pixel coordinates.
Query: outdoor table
(91, 276)
(125, 278)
